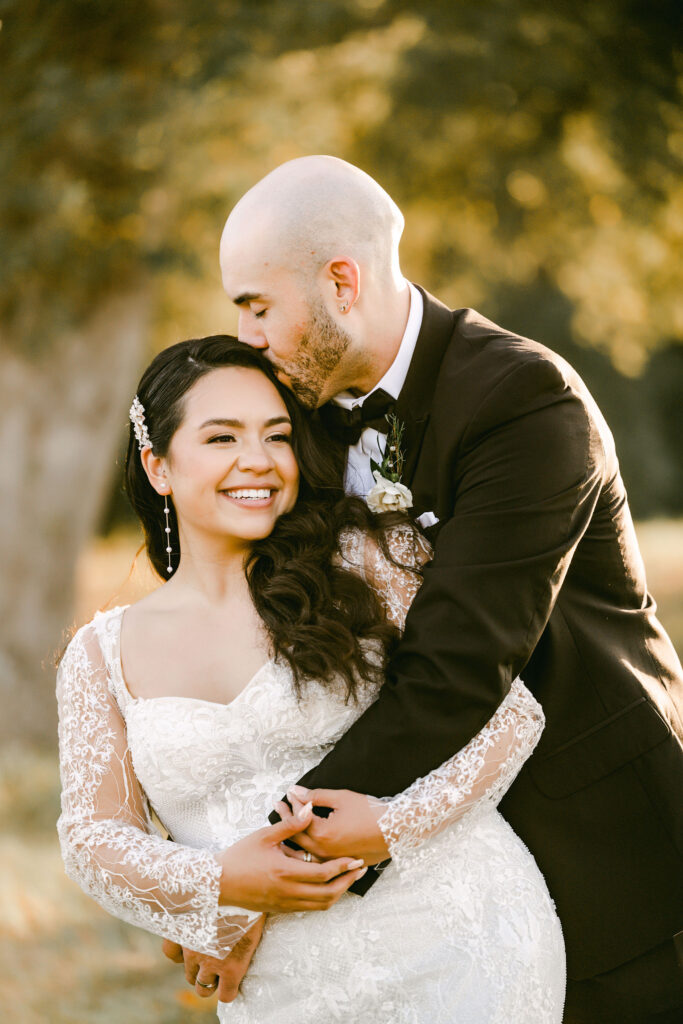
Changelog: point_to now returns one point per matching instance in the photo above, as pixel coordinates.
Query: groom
(536, 572)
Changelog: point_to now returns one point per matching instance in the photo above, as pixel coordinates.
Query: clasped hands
(261, 873)
(351, 830)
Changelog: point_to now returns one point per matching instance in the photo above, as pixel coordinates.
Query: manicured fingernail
(304, 811)
(300, 792)
(356, 864)
(362, 872)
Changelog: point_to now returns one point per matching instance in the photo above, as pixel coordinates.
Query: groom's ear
(343, 279)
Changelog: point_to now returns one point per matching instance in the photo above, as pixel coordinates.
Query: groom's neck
(383, 324)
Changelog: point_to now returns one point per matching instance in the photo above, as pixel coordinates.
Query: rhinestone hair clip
(137, 418)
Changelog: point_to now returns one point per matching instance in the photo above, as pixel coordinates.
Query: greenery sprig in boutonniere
(388, 493)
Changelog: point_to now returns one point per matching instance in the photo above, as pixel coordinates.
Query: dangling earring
(167, 531)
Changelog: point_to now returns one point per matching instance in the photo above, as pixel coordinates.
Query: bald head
(311, 210)
(310, 257)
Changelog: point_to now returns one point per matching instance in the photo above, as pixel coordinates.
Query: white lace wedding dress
(459, 927)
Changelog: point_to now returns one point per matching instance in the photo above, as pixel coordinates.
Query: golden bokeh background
(536, 152)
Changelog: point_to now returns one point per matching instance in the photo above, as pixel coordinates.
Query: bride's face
(230, 464)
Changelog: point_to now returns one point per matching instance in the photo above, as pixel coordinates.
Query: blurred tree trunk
(61, 420)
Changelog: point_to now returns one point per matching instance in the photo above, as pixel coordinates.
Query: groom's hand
(222, 976)
(351, 830)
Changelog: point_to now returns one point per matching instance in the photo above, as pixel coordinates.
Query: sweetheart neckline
(132, 699)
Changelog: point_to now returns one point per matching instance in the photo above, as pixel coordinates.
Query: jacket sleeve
(524, 482)
(475, 778)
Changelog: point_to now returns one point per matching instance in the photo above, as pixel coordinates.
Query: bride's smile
(212, 694)
(230, 468)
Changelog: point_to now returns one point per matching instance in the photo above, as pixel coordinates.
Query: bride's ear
(155, 468)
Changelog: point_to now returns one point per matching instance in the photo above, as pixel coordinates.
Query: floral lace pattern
(396, 579)
(477, 776)
(109, 845)
(480, 774)
(468, 936)
(459, 927)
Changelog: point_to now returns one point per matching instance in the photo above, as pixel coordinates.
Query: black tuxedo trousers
(536, 573)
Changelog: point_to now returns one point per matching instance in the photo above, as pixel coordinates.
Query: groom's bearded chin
(321, 348)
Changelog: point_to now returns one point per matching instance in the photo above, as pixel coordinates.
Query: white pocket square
(427, 519)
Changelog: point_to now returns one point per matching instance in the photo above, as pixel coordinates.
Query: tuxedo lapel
(415, 401)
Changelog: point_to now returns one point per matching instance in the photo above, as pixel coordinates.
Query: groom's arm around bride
(536, 572)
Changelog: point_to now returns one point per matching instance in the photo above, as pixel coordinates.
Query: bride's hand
(350, 829)
(258, 874)
(285, 812)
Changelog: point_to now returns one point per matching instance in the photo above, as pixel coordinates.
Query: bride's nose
(255, 457)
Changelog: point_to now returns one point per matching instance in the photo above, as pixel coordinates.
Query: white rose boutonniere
(389, 494)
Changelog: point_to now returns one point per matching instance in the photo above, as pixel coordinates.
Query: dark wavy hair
(319, 615)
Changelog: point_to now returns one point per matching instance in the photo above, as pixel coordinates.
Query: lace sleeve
(479, 775)
(481, 772)
(395, 580)
(109, 845)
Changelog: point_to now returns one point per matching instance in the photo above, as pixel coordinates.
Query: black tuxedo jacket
(536, 573)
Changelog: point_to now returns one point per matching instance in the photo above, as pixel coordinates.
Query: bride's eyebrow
(239, 423)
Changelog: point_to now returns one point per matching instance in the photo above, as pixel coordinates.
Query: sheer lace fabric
(480, 774)
(459, 928)
(475, 778)
(109, 844)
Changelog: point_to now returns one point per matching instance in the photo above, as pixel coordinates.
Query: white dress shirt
(359, 479)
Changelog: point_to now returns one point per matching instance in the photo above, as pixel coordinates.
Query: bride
(205, 700)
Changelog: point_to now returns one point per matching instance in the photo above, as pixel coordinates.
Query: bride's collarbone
(195, 658)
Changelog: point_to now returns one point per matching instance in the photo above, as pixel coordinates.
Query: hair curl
(319, 615)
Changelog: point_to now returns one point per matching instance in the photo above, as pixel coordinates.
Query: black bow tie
(348, 424)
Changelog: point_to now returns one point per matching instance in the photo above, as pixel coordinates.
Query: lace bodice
(211, 772)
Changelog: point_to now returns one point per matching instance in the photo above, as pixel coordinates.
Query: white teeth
(254, 493)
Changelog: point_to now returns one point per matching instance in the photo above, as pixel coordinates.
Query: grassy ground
(65, 961)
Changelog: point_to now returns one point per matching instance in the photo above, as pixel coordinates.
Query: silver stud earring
(167, 531)
(342, 308)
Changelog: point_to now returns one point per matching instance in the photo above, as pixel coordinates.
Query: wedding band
(308, 856)
(203, 984)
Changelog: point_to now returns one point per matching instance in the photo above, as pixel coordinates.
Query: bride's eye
(260, 313)
(219, 438)
(286, 438)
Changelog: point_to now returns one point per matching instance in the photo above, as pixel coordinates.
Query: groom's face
(294, 328)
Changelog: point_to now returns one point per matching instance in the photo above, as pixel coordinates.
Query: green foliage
(89, 94)
(535, 149)
(74, 94)
(532, 141)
